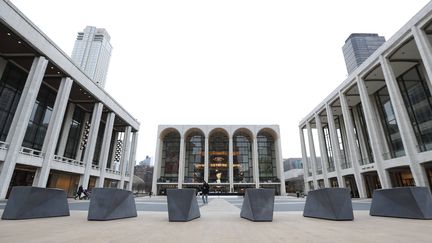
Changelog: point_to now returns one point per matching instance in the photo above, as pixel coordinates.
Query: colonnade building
(230, 158)
(375, 129)
(57, 127)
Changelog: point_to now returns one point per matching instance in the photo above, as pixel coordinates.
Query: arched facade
(229, 158)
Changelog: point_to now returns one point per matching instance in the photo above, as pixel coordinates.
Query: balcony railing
(4, 145)
(68, 161)
(95, 167)
(168, 179)
(112, 171)
(346, 165)
(269, 179)
(365, 161)
(31, 152)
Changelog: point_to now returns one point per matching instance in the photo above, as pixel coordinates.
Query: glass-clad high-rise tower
(358, 47)
(92, 52)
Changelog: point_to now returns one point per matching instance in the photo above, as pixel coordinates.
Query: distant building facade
(358, 47)
(294, 180)
(92, 53)
(146, 161)
(375, 129)
(230, 158)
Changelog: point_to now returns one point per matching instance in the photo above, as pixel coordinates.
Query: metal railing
(112, 171)
(4, 145)
(31, 152)
(69, 161)
(95, 167)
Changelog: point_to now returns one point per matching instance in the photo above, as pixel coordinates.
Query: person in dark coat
(79, 192)
(205, 192)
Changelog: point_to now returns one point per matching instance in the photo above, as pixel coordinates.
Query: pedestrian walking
(205, 191)
(79, 192)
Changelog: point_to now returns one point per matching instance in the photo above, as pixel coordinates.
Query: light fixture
(58, 72)
(52, 67)
(8, 33)
(19, 42)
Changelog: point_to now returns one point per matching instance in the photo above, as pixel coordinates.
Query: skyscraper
(358, 47)
(92, 52)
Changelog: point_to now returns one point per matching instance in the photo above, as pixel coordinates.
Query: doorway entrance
(333, 182)
(372, 182)
(401, 176)
(350, 183)
(23, 175)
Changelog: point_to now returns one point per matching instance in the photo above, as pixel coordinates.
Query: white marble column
(125, 155)
(91, 143)
(279, 165)
(206, 159)
(372, 126)
(231, 164)
(157, 165)
(323, 149)
(312, 154)
(66, 128)
(132, 159)
(355, 152)
(335, 144)
(406, 130)
(425, 49)
(181, 163)
(255, 161)
(53, 131)
(106, 142)
(304, 160)
(20, 121)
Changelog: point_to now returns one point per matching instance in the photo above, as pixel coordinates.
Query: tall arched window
(170, 157)
(194, 161)
(266, 157)
(242, 157)
(218, 157)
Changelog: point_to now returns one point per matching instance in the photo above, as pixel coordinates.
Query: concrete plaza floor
(219, 223)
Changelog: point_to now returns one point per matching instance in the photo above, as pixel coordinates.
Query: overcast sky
(221, 62)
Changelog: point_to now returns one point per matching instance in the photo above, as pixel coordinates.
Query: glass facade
(98, 147)
(11, 85)
(266, 158)
(366, 156)
(345, 163)
(194, 161)
(218, 157)
(242, 149)
(73, 140)
(170, 157)
(389, 123)
(39, 119)
(329, 154)
(417, 99)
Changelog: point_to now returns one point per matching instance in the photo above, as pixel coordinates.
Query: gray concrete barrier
(402, 202)
(182, 205)
(111, 203)
(258, 205)
(27, 202)
(329, 203)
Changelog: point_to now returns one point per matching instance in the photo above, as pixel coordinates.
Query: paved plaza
(219, 222)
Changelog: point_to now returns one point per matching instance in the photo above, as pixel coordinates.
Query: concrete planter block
(27, 202)
(402, 202)
(182, 205)
(258, 205)
(111, 203)
(329, 203)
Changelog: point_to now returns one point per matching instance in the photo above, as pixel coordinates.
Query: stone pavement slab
(220, 222)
